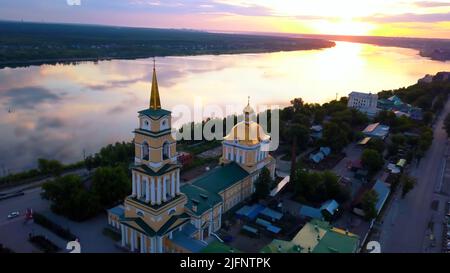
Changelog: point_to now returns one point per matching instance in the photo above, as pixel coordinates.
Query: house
(396, 105)
(317, 157)
(316, 131)
(382, 189)
(320, 155)
(364, 102)
(327, 208)
(376, 130)
(326, 151)
(316, 237)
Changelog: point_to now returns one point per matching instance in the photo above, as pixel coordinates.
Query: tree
(53, 167)
(334, 136)
(296, 134)
(297, 104)
(70, 198)
(372, 160)
(110, 184)
(376, 144)
(262, 185)
(408, 184)
(368, 204)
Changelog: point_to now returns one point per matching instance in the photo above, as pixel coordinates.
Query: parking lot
(14, 232)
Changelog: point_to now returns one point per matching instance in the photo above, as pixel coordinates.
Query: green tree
(263, 184)
(69, 197)
(368, 204)
(376, 144)
(53, 167)
(408, 184)
(335, 136)
(297, 104)
(372, 160)
(296, 134)
(110, 184)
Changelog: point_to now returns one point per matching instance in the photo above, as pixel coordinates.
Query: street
(414, 224)
(14, 232)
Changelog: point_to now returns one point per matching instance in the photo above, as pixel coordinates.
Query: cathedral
(163, 215)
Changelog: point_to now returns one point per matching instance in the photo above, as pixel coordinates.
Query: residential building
(364, 102)
(316, 237)
(396, 105)
(376, 130)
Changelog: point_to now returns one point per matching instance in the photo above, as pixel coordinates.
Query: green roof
(155, 113)
(205, 199)
(319, 237)
(221, 178)
(218, 247)
(335, 242)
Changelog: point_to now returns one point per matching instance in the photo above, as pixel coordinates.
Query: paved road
(405, 226)
(14, 232)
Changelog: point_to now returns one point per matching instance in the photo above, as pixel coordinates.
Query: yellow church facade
(163, 216)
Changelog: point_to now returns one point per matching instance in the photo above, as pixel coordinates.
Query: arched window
(166, 150)
(145, 151)
(164, 124)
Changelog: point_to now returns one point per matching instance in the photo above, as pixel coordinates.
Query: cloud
(116, 83)
(201, 7)
(431, 4)
(50, 122)
(409, 18)
(28, 97)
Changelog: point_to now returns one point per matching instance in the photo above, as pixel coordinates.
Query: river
(66, 111)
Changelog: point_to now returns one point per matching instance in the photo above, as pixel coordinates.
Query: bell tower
(156, 205)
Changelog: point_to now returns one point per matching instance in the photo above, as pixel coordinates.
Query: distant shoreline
(69, 61)
(24, 44)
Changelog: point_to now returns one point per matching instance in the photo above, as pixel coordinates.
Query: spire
(155, 102)
(248, 109)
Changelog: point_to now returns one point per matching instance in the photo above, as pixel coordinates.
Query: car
(13, 215)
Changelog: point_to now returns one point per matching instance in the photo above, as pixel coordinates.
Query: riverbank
(26, 44)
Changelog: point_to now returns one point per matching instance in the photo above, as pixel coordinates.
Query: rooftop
(154, 113)
(316, 237)
(221, 178)
(200, 197)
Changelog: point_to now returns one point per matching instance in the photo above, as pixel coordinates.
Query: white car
(13, 215)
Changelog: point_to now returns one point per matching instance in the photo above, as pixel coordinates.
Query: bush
(53, 227)
(372, 160)
(44, 244)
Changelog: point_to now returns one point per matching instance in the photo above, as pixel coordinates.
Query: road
(14, 232)
(405, 226)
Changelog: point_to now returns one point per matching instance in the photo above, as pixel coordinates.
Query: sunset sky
(352, 17)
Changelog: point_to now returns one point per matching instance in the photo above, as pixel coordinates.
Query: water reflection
(60, 111)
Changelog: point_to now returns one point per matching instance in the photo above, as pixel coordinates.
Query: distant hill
(23, 44)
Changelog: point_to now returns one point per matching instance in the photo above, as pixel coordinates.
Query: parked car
(13, 215)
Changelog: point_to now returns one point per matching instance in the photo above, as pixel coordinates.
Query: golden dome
(248, 109)
(247, 133)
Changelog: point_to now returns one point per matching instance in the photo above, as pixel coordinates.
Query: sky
(401, 18)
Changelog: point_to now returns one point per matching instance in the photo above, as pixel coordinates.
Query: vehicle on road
(13, 215)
